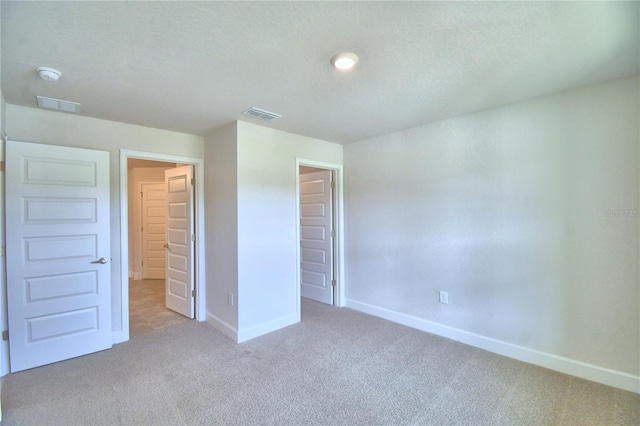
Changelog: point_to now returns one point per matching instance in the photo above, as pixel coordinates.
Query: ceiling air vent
(58, 104)
(260, 113)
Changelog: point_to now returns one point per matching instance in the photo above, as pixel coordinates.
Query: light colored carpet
(336, 367)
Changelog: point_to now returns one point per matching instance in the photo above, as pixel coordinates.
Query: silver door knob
(101, 261)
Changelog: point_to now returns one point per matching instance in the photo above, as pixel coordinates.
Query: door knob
(101, 261)
(166, 246)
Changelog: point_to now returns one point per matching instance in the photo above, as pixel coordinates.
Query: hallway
(147, 310)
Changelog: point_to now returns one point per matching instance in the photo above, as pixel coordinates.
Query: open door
(180, 293)
(58, 253)
(316, 236)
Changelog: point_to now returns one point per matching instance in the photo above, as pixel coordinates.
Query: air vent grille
(58, 104)
(261, 114)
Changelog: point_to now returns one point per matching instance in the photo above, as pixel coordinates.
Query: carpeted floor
(336, 367)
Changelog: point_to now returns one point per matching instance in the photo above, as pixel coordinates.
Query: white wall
(55, 128)
(4, 345)
(221, 171)
(507, 211)
(136, 176)
(267, 240)
(251, 225)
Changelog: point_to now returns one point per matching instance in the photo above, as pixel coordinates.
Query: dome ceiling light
(344, 61)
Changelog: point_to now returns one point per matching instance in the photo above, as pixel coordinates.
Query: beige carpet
(336, 367)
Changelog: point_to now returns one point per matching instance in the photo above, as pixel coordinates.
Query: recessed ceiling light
(344, 61)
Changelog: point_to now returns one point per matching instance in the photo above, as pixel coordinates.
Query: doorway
(147, 293)
(148, 269)
(319, 218)
(317, 234)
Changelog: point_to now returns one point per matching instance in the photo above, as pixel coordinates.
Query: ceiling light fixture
(49, 74)
(344, 61)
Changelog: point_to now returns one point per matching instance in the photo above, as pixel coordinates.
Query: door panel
(180, 245)
(316, 242)
(154, 230)
(57, 216)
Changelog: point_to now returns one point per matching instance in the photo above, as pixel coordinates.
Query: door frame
(339, 291)
(200, 269)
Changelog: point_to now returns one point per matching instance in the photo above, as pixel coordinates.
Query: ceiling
(195, 66)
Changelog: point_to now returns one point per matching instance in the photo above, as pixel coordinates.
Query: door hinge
(333, 283)
(193, 237)
(333, 234)
(142, 229)
(193, 293)
(333, 184)
(142, 263)
(193, 181)
(5, 335)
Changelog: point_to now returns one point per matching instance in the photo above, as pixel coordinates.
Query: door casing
(200, 270)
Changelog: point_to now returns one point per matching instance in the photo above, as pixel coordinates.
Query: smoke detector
(49, 74)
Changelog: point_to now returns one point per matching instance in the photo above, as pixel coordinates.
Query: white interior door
(58, 248)
(180, 293)
(154, 230)
(316, 236)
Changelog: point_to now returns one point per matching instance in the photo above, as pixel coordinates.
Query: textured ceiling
(195, 66)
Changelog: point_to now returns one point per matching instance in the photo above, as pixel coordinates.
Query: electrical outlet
(230, 299)
(444, 297)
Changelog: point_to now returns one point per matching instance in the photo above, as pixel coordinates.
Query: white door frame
(339, 291)
(200, 270)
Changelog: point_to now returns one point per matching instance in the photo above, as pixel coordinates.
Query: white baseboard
(249, 333)
(580, 369)
(223, 327)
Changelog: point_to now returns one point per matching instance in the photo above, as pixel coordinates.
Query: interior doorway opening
(147, 196)
(320, 218)
(191, 172)
(317, 234)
